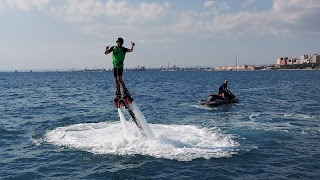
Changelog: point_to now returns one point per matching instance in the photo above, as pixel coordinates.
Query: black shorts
(220, 91)
(117, 71)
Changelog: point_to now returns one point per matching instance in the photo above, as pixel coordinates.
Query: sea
(64, 125)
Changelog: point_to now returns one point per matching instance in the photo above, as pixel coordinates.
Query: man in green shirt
(118, 55)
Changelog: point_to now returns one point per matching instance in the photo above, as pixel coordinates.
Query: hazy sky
(55, 34)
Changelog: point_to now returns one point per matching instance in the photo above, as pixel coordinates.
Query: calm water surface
(63, 125)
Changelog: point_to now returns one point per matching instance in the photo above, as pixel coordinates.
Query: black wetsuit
(223, 88)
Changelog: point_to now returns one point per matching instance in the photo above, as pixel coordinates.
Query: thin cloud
(208, 4)
(25, 5)
(78, 10)
(123, 11)
(285, 18)
(89, 10)
(247, 3)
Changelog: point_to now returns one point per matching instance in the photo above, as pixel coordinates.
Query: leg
(125, 90)
(117, 84)
(116, 73)
(121, 82)
(221, 92)
(126, 93)
(119, 78)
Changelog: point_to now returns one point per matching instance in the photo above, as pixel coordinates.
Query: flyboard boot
(127, 97)
(124, 100)
(117, 99)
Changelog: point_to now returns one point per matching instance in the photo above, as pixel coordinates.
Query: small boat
(215, 99)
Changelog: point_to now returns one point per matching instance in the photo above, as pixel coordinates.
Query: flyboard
(126, 102)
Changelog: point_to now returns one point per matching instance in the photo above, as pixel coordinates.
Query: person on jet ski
(223, 89)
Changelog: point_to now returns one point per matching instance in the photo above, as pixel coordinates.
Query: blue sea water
(63, 125)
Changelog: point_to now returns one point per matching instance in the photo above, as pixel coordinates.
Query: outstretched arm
(132, 45)
(107, 51)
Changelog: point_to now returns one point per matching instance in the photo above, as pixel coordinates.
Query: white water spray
(123, 122)
(139, 118)
(142, 120)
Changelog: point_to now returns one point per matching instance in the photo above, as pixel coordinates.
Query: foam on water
(202, 107)
(296, 115)
(177, 142)
(253, 116)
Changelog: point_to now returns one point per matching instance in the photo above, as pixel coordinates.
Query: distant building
(304, 59)
(243, 67)
(231, 68)
(293, 61)
(251, 67)
(315, 58)
(282, 61)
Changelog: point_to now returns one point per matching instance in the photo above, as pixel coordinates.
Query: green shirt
(118, 56)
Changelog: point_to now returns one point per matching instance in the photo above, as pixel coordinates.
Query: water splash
(176, 142)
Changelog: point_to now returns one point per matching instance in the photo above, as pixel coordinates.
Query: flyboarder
(125, 101)
(118, 56)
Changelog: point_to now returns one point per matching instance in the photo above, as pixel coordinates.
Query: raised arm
(132, 45)
(107, 51)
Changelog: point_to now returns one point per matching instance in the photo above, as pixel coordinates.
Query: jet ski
(215, 99)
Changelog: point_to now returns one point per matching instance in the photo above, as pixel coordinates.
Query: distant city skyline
(73, 34)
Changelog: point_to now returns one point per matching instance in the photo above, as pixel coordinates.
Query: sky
(73, 34)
